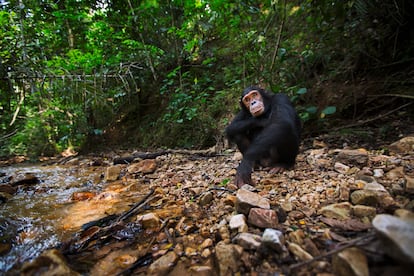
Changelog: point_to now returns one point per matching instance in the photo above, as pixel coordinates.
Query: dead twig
(95, 232)
(394, 95)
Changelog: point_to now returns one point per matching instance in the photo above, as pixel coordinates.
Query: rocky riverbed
(340, 211)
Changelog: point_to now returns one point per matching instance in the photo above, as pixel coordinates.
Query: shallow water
(31, 221)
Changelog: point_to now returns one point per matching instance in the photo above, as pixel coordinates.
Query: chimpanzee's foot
(277, 169)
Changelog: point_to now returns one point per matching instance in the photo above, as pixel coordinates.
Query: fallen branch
(151, 155)
(372, 119)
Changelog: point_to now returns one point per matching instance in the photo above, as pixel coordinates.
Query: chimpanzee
(266, 131)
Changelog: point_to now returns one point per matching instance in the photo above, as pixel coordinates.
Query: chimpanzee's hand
(244, 174)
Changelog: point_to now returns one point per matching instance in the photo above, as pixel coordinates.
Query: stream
(34, 218)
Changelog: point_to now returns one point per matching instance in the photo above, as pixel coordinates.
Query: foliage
(70, 69)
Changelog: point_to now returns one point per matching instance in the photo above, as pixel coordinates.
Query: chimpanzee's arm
(242, 124)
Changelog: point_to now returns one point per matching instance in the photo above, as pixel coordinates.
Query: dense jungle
(113, 153)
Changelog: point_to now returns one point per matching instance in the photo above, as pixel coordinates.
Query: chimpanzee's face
(253, 101)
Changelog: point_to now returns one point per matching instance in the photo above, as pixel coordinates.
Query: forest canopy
(76, 73)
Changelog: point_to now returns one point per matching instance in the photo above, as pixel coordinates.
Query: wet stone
(163, 265)
(149, 220)
(9, 189)
(24, 179)
(112, 173)
(144, 166)
(50, 262)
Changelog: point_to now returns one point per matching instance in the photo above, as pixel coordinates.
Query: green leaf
(329, 110)
(311, 109)
(302, 91)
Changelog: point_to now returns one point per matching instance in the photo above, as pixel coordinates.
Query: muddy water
(33, 219)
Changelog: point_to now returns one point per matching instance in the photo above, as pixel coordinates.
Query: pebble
(162, 265)
(338, 210)
(228, 256)
(299, 252)
(263, 218)
(238, 222)
(274, 239)
(248, 241)
(246, 200)
(112, 173)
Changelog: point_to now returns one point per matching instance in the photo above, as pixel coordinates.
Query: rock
(378, 173)
(228, 256)
(403, 146)
(395, 173)
(149, 220)
(163, 265)
(80, 196)
(341, 168)
(397, 236)
(409, 184)
(206, 253)
(144, 166)
(246, 200)
(338, 210)
(9, 189)
(372, 194)
(112, 173)
(350, 262)
(297, 236)
(230, 200)
(248, 241)
(316, 159)
(238, 222)
(358, 157)
(362, 211)
(206, 198)
(201, 270)
(404, 214)
(373, 198)
(50, 262)
(24, 179)
(4, 197)
(274, 240)
(206, 243)
(263, 218)
(190, 252)
(224, 233)
(344, 192)
(248, 187)
(299, 252)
